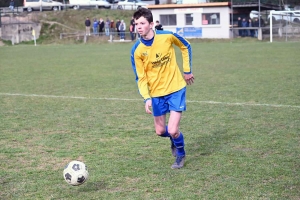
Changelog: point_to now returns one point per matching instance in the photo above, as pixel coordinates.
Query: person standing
(239, 26)
(107, 27)
(244, 31)
(11, 5)
(159, 79)
(117, 26)
(112, 26)
(122, 29)
(101, 26)
(158, 26)
(132, 29)
(95, 27)
(256, 24)
(87, 26)
(250, 31)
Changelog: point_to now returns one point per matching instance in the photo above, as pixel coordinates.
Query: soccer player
(159, 79)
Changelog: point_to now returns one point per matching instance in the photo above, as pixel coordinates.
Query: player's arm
(141, 80)
(140, 75)
(186, 51)
(143, 85)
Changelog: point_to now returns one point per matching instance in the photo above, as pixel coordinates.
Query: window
(210, 18)
(168, 20)
(32, 0)
(188, 19)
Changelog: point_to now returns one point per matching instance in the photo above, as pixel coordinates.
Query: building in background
(195, 20)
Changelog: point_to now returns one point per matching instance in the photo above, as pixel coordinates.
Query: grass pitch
(60, 103)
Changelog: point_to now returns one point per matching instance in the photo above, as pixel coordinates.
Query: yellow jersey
(155, 67)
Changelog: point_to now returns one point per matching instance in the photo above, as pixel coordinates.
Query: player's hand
(148, 105)
(189, 78)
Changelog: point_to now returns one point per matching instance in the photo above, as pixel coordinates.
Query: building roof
(256, 5)
(249, 5)
(196, 5)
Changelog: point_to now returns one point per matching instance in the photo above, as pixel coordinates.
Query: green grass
(241, 128)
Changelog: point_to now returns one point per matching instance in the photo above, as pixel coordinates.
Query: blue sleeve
(132, 59)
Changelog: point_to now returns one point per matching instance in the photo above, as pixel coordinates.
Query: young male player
(159, 79)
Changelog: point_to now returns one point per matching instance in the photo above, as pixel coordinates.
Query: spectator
(117, 26)
(158, 26)
(101, 26)
(132, 29)
(262, 22)
(87, 26)
(122, 29)
(250, 31)
(112, 26)
(95, 27)
(256, 24)
(239, 26)
(244, 24)
(107, 27)
(11, 5)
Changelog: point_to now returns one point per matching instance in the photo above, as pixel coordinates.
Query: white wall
(19, 28)
(192, 1)
(208, 31)
(180, 1)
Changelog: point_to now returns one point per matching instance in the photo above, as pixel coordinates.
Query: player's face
(143, 27)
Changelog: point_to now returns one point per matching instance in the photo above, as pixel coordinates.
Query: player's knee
(160, 131)
(174, 133)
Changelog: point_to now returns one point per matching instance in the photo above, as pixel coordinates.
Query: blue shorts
(164, 104)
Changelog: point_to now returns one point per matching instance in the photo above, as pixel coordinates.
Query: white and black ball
(75, 173)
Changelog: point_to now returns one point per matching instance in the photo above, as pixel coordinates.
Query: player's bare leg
(173, 124)
(177, 137)
(162, 130)
(172, 130)
(160, 124)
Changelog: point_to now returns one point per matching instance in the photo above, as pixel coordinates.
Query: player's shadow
(207, 145)
(93, 186)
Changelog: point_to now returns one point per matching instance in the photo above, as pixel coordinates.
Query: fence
(287, 32)
(112, 6)
(112, 37)
(247, 32)
(6, 10)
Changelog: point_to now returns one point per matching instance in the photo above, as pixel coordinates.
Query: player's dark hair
(143, 12)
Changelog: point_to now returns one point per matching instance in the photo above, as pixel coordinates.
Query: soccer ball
(76, 173)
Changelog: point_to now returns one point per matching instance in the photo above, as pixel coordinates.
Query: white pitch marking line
(245, 104)
(120, 99)
(66, 97)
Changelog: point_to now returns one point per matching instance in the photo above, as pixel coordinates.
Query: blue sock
(179, 143)
(166, 134)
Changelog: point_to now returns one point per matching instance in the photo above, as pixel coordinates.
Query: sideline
(121, 99)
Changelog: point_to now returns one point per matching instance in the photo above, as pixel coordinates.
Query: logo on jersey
(160, 60)
(158, 55)
(145, 54)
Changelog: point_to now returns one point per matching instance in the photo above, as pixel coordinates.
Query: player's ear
(151, 25)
